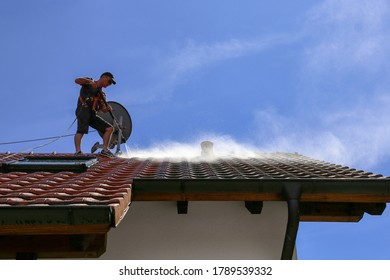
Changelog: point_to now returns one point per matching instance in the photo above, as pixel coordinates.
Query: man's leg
(77, 142)
(107, 137)
(83, 117)
(103, 127)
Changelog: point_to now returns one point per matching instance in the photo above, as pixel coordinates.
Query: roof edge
(55, 219)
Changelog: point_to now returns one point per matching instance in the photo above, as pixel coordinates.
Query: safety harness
(96, 103)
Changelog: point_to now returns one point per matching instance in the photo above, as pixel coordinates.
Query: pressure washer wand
(117, 124)
(112, 115)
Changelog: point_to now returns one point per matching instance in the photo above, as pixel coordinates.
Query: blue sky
(309, 77)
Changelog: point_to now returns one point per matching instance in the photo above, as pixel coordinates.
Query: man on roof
(91, 100)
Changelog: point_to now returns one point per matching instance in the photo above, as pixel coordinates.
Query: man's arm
(84, 81)
(103, 103)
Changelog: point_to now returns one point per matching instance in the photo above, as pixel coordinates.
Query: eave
(49, 232)
(69, 209)
(330, 200)
(313, 190)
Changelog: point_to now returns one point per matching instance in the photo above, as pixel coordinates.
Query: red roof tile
(109, 182)
(97, 186)
(64, 205)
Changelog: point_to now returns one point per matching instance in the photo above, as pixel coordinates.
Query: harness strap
(84, 101)
(96, 103)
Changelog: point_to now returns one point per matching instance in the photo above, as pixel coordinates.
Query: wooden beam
(182, 207)
(324, 218)
(52, 246)
(254, 207)
(345, 197)
(53, 229)
(338, 211)
(211, 196)
(26, 256)
(255, 196)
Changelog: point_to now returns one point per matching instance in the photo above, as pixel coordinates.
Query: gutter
(292, 193)
(372, 190)
(51, 218)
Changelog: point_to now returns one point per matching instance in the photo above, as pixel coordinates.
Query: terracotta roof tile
(109, 181)
(116, 171)
(97, 186)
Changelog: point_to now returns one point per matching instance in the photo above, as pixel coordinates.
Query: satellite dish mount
(120, 119)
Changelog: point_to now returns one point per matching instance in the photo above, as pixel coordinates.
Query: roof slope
(111, 182)
(98, 186)
(265, 166)
(59, 213)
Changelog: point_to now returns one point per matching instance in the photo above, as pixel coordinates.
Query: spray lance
(101, 98)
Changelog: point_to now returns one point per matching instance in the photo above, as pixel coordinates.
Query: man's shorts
(86, 118)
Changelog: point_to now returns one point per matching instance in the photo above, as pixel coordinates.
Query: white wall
(210, 230)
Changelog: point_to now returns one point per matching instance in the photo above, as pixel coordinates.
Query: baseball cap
(109, 75)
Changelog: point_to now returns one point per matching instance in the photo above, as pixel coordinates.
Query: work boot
(106, 153)
(95, 147)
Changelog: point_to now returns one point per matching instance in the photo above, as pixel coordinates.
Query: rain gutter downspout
(292, 193)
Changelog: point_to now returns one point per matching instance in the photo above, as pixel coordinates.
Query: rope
(33, 140)
(54, 139)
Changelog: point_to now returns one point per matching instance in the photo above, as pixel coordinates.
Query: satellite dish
(121, 122)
